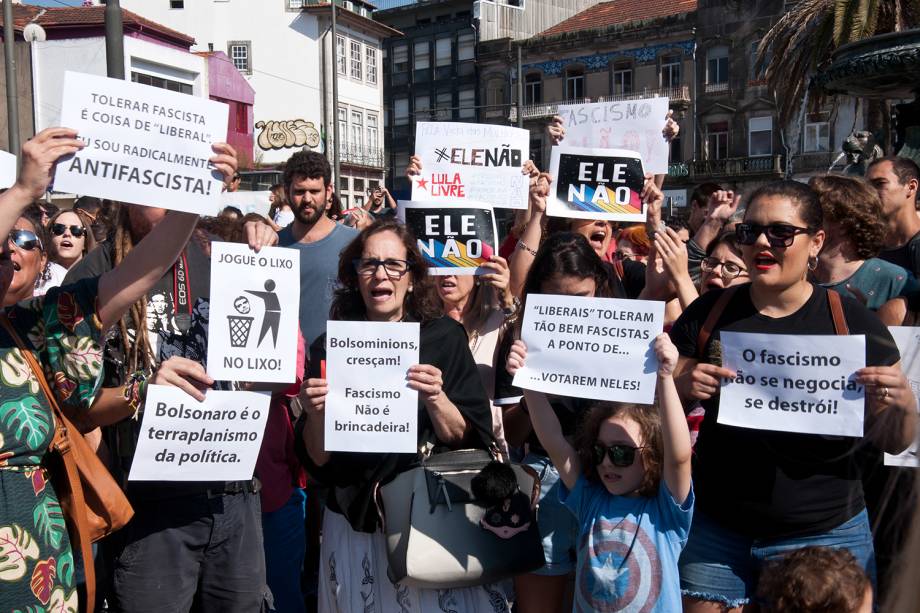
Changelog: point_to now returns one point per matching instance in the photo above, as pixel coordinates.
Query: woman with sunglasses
(63, 330)
(761, 493)
(384, 278)
(69, 241)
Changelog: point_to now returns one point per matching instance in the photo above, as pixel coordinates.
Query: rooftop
(616, 12)
(56, 18)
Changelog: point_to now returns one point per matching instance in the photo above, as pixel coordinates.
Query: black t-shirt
(633, 278)
(176, 326)
(777, 484)
(443, 344)
(906, 256)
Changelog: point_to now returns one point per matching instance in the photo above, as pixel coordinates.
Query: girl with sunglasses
(69, 240)
(627, 481)
(763, 493)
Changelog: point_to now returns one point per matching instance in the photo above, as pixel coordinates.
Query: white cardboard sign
(600, 348)
(369, 407)
(7, 169)
(625, 124)
(908, 341)
(255, 303)
(596, 184)
(182, 439)
(793, 383)
(472, 161)
(145, 145)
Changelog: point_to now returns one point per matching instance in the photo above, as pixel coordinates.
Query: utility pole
(335, 103)
(114, 40)
(12, 94)
(520, 90)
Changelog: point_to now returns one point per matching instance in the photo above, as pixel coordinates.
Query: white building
(283, 48)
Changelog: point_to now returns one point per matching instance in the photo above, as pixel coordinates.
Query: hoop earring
(812, 265)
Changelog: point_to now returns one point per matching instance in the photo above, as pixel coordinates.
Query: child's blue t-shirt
(628, 548)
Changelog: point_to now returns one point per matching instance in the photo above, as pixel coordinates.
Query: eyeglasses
(730, 270)
(395, 269)
(619, 455)
(778, 234)
(58, 229)
(24, 239)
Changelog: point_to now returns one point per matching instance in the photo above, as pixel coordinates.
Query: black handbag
(440, 534)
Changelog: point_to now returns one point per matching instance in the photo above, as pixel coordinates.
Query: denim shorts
(719, 565)
(558, 526)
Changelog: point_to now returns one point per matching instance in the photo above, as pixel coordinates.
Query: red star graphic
(422, 184)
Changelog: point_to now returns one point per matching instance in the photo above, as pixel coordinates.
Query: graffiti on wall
(287, 133)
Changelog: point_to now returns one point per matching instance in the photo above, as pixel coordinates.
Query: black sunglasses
(58, 229)
(394, 268)
(619, 455)
(24, 239)
(778, 234)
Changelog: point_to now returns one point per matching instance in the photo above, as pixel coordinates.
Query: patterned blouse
(37, 570)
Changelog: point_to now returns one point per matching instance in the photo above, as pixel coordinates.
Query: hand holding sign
(39, 157)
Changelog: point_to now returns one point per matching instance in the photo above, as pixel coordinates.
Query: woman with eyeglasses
(761, 493)
(63, 330)
(384, 278)
(69, 241)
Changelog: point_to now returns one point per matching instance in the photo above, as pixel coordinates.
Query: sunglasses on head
(58, 229)
(619, 455)
(778, 234)
(24, 239)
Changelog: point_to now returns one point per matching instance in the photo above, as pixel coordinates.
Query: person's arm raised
(146, 264)
(546, 424)
(675, 435)
(529, 241)
(39, 156)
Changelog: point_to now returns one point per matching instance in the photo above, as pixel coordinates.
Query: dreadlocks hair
(139, 354)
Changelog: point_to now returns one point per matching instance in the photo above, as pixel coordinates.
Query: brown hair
(421, 304)
(813, 580)
(855, 205)
(649, 425)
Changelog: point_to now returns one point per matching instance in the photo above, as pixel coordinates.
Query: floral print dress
(37, 565)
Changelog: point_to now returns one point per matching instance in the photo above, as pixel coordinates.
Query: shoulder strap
(61, 444)
(840, 321)
(712, 319)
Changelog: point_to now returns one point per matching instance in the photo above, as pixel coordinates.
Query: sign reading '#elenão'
(597, 348)
(369, 407)
(596, 184)
(454, 238)
(144, 145)
(255, 304)
(182, 439)
(634, 125)
(472, 161)
(793, 383)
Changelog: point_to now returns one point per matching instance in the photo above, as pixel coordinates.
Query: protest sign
(255, 305)
(474, 161)
(182, 439)
(144, 145)
(793, 383)
(635, 125)
(7, 169)
(369, 407)
(598, 348)
(908, 340)
(246, 201)
(596, 184)
(455, 238)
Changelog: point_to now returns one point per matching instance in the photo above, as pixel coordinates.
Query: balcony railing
(813, 161)
(360, 155)
(548, 109)
(769, 165)
(716, 88)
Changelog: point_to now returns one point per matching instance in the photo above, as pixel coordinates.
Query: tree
(804, 39)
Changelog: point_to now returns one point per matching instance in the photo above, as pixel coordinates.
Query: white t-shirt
(56, 274)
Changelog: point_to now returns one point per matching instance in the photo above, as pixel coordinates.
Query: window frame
(575, 77)
(466, 103)
(242, 44)
(751, 131)
(370, 63)
(620, 69)
(532, 87)
(673, 63)
(717, 61)
(710, 133)
(341, 56)
(356, 60)
(404, 47)
(441, 61)
(816, 125)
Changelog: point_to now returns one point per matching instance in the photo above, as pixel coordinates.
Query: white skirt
(353, 578)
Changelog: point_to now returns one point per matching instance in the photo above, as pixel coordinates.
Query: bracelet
(522, 245)
(511, 311)
(135, 392)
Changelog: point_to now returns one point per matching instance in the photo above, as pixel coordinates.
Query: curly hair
(309, 164)
(813, 580)
(421, 304)
(854, 205)
(650, 427)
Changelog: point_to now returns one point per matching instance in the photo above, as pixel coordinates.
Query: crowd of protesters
(701, 516)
